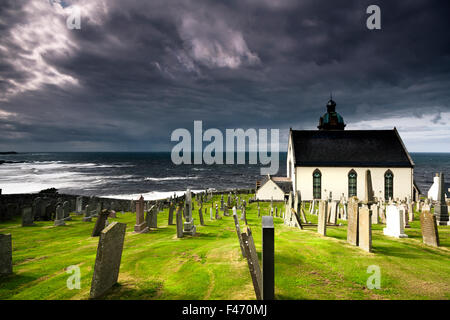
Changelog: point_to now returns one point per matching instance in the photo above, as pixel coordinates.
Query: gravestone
(79, 205)
(322, 218)
(375, 214)
(382, 213)
(189, 227)
(369, 194)
(429, 229)
(268, 259)
(217, 212)
(5, 254)
(87, 214)
(100, 224)
(252, 261)
(200, 215)
(394, 222)
(352, 223)
(365, 229)
(66, 211)
(141, 225)
(410, 211)
(59, 220)
(404, 211)
(179, 221)
(107, 262)
(333, 212)
(211, 215)
(441, 208)
(152, 217)
(238, 231)
(171, 209)
(27, 217)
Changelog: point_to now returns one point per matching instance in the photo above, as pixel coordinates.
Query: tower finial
(331, 95)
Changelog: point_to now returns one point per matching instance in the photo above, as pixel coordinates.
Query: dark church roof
(350, 148)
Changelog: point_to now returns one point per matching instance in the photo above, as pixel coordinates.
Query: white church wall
(269, 190)
(335, 179)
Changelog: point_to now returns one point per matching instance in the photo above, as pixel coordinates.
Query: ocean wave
(152, 195)
(169, 178)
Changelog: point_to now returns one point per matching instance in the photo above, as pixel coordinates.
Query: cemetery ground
(209, 265)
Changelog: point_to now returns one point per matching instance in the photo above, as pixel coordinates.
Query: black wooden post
(268, 255)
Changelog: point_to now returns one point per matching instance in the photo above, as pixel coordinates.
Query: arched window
(352, 178)
(317, 184)
(388, 185)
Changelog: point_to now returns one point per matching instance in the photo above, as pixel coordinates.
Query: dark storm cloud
(136, 71)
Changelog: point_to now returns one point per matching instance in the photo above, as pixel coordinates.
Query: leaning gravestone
(394, 222)
(152, 217)
(352, 223)
(107, 262)
(100, 223)
(27, 217)
(429, 229)
(322, 218)
(189, 227)
(5, 254)
(200, 215)
(365, 229)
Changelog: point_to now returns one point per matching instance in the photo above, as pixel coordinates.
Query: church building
(333, 161)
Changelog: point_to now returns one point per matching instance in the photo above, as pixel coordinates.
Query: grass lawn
(157, 265)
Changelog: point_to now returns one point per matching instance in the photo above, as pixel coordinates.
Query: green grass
(209, 265)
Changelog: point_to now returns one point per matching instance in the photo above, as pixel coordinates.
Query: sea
(127, 175)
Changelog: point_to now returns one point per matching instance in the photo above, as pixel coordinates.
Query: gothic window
(317, 184)
(388, 185)
(352, 177)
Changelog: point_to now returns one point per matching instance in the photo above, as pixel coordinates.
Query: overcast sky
(137, 70)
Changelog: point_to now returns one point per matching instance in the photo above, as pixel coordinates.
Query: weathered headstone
(268, 258)
(217, 212)
(322, 218)
(100, 224)
(27, 217)
(59, 221)
(66, 211)
(365, 229)
(369, 194)
(87, 214)
(375, 214)
(152, 217)
(430, 234)
(5, 254)
(179, 221)
(107, 262)
(189, 227)
(352, 223)
(200, 215)
(171, 209)
(141, 225)
(394, 222)
(333, 212)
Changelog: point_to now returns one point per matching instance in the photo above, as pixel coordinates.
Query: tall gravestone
(268, 258)
(171, 209)
(441, 208)
(152, 217)
(141, 225)
(5, 254)
(365, 229)
(107, 262)
(333, 212)
(200, 215)
(322, 218)
(429, 229)
(66, 211)
(369, 194)
(352, 223)
(189, 227)
(179, 221)
(87, 214)
(217, 212)
(375, 215)
(394, 222)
